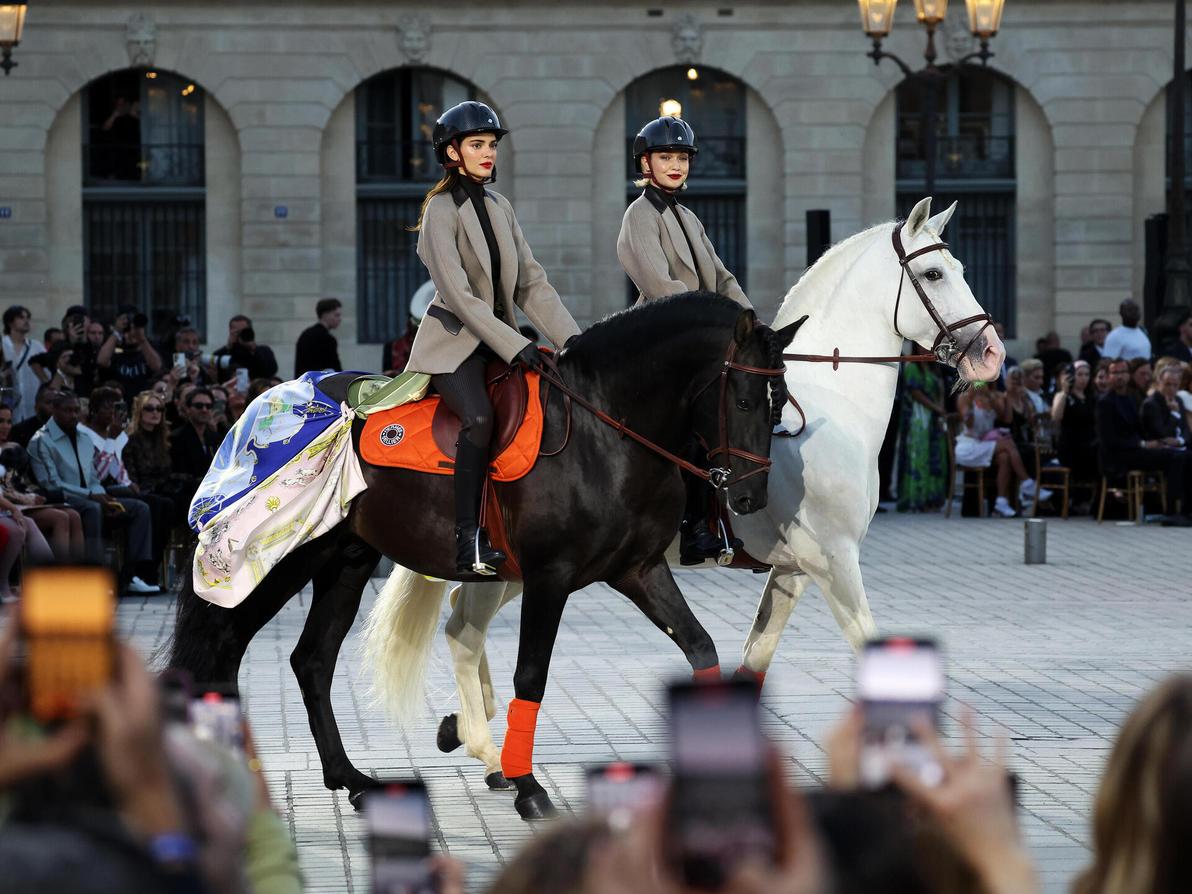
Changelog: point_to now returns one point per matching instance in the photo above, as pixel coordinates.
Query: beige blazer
(451, 245)
(655, 254)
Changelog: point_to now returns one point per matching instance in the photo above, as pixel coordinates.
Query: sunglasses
(202, 406)
(151, 408)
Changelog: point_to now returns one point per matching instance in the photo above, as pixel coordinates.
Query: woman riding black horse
(483, 270)
(665, 251)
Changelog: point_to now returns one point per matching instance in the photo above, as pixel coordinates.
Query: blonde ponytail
(445, 185)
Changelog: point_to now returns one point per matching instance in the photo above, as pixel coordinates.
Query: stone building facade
(818, 126)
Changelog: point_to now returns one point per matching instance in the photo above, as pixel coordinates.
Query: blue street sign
(5, 213)
(281, 211)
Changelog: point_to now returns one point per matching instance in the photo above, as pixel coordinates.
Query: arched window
(395, 165)
(713, 103)
(974, 164)
(144, 196)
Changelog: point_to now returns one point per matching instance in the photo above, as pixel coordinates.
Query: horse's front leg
(783, 589)
(473, 606)
(653, 590)
(338, 587)
(541, 612)
(845, 591)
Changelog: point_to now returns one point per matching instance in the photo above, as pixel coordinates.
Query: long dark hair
(450, 178)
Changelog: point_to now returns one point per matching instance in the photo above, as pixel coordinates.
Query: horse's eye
(933, 275)
(744, 406)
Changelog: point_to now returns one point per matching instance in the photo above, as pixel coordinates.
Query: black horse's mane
(630, 332)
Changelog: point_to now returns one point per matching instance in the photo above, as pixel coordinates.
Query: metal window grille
(981, 236)
(151, 254)
(388, 269)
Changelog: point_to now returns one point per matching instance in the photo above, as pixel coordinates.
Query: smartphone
(180, 361)
(899, 679)
(620, 790)
(399, 829)
(720, 810)
(215, 716)
(67, 626)
(242, 380)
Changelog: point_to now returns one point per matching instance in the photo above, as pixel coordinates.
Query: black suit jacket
(1159, 422)
(1118, 427)
(188, 453)
(317, 349)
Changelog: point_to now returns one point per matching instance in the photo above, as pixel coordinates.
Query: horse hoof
(448, 739)
(356, 799)
(536, 807)
(497, 782)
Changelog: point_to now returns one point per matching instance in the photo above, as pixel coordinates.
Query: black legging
(464, 392)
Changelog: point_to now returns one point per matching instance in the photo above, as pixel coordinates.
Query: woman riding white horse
(823, 486)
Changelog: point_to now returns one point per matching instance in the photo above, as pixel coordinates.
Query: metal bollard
(1035, 541)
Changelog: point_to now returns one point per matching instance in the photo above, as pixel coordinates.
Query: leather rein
(944, 350)
(718, 477)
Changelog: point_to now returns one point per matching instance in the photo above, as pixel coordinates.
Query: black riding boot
(473, 552)
(696, 539)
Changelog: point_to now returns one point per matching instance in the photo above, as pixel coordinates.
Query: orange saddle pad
(404, 438)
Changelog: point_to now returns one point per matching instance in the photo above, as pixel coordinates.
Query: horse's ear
(940, 221)
(786, 334)
(746, 322)
(916, 220)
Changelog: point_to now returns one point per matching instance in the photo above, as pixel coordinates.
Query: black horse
(602, 509)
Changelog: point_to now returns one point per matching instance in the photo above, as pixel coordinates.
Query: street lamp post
(877, 19)
(12, 23)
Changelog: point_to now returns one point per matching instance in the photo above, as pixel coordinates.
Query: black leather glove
(530, 356)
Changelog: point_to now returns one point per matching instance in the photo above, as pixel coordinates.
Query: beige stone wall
(280, 79)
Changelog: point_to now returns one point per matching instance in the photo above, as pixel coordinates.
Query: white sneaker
(1043, 495)
(1027, 488)
(138, 586)
(1003, 509)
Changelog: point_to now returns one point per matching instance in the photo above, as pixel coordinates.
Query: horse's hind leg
(845, 592)
(338, 587)
(779, 598)
(473, 608)
(654, 591)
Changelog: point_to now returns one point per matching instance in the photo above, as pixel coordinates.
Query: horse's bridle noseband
(720, 477)
(945, 348)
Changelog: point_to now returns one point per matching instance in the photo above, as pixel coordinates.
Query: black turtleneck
(475, 194)
(663, 200)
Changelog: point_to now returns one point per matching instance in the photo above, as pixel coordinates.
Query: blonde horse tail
(399, 633)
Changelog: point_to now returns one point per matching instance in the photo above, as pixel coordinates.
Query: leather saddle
(507, 390)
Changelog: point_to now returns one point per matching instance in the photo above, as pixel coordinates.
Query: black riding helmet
(664, 134)
(460, 121)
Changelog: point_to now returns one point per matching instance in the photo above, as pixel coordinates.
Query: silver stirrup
(727, 553)
(479, 567)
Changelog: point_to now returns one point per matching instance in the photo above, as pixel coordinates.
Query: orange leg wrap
(517, 754)
(758, 676)
(706, 674)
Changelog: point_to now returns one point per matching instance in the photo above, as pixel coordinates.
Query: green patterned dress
(922, 452)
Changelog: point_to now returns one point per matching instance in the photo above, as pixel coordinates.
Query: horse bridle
(945, 348)
(720, 478)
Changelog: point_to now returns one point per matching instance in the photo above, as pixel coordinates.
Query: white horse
(860, 297)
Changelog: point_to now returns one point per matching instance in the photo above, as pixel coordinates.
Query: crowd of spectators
(1121, 406)
(81, 475)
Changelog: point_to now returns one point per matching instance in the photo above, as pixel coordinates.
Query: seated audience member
(22, 533)
(1101, 377)
(1141, 820)
(922, 450)
(127, 357)
(1009, 362)
(1181, 346)
(1017, 413)
(982, 444)
(1185, 392)
(1090, 351)
(23, 431)
(1129, 340)
(193, 443)
(1141, 377)
(243, 351)
(105, 428)
(1124, 448)
(1033, 381)
(147, 457)
(63, 463)
(1074, 417)
(1163, 413)
(60, 525)
(176, 409)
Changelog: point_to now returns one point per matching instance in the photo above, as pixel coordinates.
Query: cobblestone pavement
(1052, 656)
